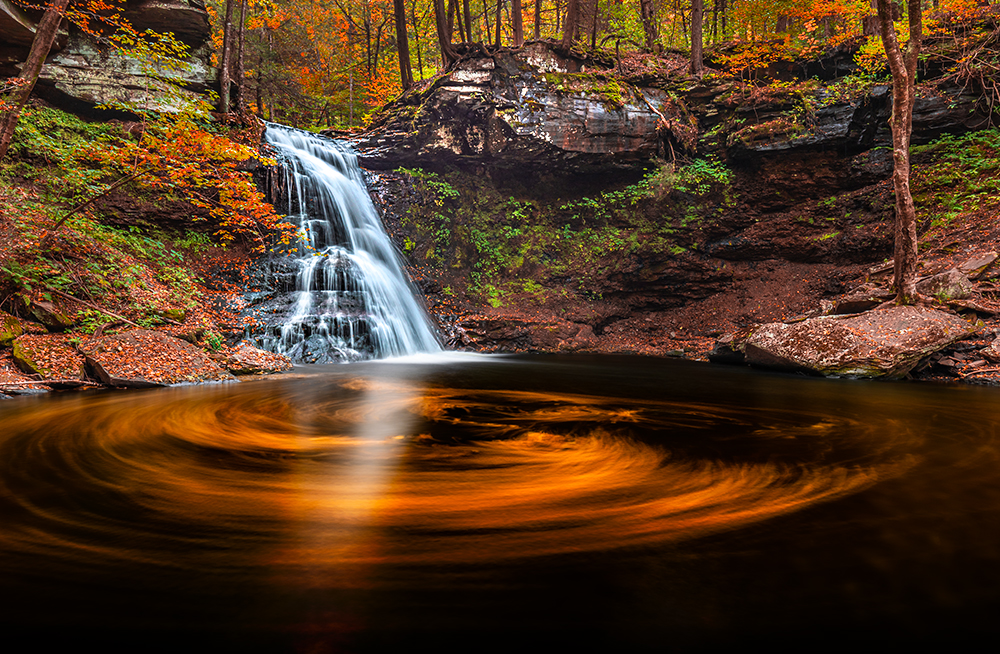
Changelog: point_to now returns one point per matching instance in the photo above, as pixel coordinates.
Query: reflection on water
(358, 507)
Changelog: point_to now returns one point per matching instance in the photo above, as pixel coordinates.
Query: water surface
(485, 503)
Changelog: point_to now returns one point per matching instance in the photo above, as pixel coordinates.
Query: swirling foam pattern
(312, 478)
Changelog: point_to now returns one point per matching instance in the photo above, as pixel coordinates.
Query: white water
(351, 299)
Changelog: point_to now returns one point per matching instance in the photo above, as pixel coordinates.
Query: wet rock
(884, 343)
(142, 358)
(48, 356)
(245, 359)
(498, 334)
(858, 303)
(949, 285)
(10, 329)
(729, 350)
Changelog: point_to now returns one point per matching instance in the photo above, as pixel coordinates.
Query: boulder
(991, 352)
(50, 356)
(978, 265)
(10, 329)
(885, 343)
(54, 315)
(729, 349)
(245, 359)
(949, 285)
(141, 358)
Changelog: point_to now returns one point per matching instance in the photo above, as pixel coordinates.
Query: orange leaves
(202, 166)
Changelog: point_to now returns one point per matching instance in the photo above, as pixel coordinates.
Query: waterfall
(345, 296)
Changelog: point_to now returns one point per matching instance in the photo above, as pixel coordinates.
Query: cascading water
(346, 297)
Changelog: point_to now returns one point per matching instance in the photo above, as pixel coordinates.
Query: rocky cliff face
(84, 72)
(527, 109)
(539, 110)
(542, 241)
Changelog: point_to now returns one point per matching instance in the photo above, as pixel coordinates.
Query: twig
(81, 382)
(77, 208)
(978, 371)
(97, 308)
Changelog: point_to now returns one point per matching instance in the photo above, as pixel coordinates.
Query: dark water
(590, 504)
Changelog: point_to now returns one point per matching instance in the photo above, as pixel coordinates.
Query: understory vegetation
(961, 175)
(510, 245)
(85, 245)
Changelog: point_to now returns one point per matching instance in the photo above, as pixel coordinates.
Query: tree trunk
(496, 42)
(45, 36)
(570, 24)
(647, 10)
(903, 66)
(238, 70)
(403, 45)
(593, 30)
(448, 53)
(467, 14)
(227, 48)
(538, 20)
(517, 22)
(416, 38)
(869, 23)
(697, 16)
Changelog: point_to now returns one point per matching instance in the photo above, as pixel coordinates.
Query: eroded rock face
(528, 107)
(16, 28)
(84, 73)
(882, 343)
(142, 358)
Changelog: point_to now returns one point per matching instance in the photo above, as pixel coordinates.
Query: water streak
(350, 299)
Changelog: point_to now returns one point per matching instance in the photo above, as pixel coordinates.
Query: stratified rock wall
(528, 108)
(85, 72)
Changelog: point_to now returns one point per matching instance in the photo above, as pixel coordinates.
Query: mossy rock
(177, 315)
(10, 329)
(52, 315)
(48, 356)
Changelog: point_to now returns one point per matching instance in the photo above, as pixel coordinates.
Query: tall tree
(467, 14)
(570, 24)
(225, 57)
(538, 19)
(517, 22)
(448, 53)
(650, 26)
(402, 44)
(903, 66)
(238, 67)
(697, 15)
(45, 36)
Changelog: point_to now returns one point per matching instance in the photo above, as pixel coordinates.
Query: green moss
(512, 245)
(10, 328)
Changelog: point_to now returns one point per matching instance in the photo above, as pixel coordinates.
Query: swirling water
(348, 297)
(587, 502)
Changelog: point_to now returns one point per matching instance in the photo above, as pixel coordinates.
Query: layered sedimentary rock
(83, 72)
(531, 107)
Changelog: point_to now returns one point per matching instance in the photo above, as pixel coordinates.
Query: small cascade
(342, 294)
